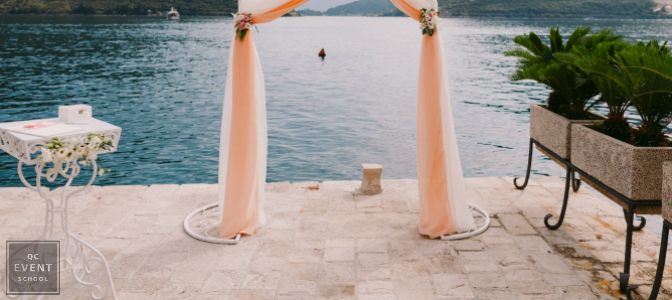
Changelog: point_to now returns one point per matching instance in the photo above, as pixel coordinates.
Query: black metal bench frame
(575, 183)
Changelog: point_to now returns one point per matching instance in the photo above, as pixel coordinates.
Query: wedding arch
(444, 209)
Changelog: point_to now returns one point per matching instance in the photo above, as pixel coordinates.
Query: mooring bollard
(371, 179)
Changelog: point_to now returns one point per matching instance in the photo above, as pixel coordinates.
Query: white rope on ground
(480, 229)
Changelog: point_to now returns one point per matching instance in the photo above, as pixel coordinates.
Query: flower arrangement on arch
(429, 21)
(243, 23)
(74, 149)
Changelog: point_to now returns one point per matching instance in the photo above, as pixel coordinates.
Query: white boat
(173, 14)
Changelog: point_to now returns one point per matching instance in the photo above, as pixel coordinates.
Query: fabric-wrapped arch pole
(244, 140)
(444, 208)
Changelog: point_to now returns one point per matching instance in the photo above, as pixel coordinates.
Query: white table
(80, 257)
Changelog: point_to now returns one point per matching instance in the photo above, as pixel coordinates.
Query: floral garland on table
(429, 21)
(243, 23)
(73, 149)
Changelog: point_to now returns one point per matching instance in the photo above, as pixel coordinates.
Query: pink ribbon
(36, 125)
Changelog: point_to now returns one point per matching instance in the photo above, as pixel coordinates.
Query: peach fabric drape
(243, 145)
(444, 208)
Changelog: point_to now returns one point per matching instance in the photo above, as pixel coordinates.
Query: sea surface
(163, 83)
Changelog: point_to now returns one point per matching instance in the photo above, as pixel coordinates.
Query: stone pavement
(335, 243)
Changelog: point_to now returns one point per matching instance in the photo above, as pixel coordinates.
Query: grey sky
(322, 5)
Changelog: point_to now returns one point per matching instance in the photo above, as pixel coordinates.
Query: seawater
(163, 83)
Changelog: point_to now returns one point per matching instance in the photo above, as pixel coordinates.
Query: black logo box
(33, 268)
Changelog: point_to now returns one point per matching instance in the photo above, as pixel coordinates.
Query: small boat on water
(173, 14)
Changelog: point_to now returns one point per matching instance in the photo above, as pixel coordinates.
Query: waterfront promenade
(328, 241)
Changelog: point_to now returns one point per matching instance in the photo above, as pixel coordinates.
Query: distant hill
(310, 12)
(323, 5)
(362, 8)
(456, 8)
(645, 9)
(131, 7)
(552, 8)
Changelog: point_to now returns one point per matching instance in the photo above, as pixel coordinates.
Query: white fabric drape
(463, 219)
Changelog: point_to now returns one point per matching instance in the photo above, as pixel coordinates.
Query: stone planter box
(667, 191)
(554, 131)
(635, 172)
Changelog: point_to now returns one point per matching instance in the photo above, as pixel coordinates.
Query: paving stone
(444, 264)
(520, 273)
(337, 291)
(339, 254)
(375, 287)
(223, 281)
(487, 280)
(340, 243)
(494, 294)
(609, 256)
(256, 295)
(468, 245)
(516, 224)
(267, 281)
(557, 237)
(411, 276)
(372, 245)
(377, 297)
(532, 244)
(298, 287)
(452, 286)
(550, 263)
(370, 260)
(416, 295)
(560, 280)
(481, 267)
(530, 287)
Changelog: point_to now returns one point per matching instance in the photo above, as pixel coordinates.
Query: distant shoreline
(445, 17)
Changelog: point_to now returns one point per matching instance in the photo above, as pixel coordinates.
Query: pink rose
(241, 26)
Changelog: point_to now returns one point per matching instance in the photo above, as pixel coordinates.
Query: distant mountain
(362, 8)
(310, 12)
(131, 7)
(552, 8)
(323, 5)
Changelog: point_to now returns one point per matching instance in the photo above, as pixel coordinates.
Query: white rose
(248, 25)
(62, 153)
(46, 155)
(80, 152)
(92, 156)
(101, 172)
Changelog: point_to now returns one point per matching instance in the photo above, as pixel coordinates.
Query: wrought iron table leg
(529, 166)
(625, 276)
(564, 204)
(642, 221)
(576, 183)
(661, 264)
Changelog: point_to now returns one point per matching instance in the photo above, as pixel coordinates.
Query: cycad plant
(649, 70)
(608, 77)
(571, 87)
(639, 74)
